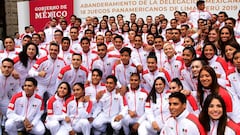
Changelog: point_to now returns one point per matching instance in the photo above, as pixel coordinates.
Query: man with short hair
(50, 30)
(181, 121)
(25, 110)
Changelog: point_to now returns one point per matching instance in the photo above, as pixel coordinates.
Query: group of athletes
(136, 76)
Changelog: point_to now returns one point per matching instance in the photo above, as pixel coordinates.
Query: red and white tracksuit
(105, 65)
(9, 86)
(49, 32)
(149, 78)
(139, 57)
(220, 66)
(173, 66)
(123, 72)
(109, 106)
(52, 68)
(71, 75)
(7, 54)
(92, 91)
(66, 56)
(135, 102)
(155, 112)
(182, 125)
(228, 129)
(78, 112)
(21, 107)
(21, 69)
(87, 58)
(161, 57)
(54, 114)
(197, 14)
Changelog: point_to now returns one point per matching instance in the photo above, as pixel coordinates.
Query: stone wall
(11, 16)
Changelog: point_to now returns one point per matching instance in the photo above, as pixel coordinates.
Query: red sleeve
(11, 104)
(50, 105)
(235, 127)
(192, 102)
(227, 99)
(195, 120)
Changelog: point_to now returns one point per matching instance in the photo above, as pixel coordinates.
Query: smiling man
(181, 121)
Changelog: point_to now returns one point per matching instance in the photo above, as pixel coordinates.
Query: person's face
(25, 41)
(76, 61)
(78, 92)
(9, 44)
(102, 51)
(65, 45)
(208, 52)
(183, 31)
(77, 23)
(229, 23)
(134, 82)
(35, 39)
(74, 34)
(177, 16)
(212, 36)
(53, 23)
(153, 29)
(125, 28)
(111, 20)
(100, 39)
(88, 20)
(229, 50)
(42, 36)
(159, 86)
(125, 57)
(89, 34)
(72, 19)
(29, 88)
(108, 37)
(221, 18)
(215, 110)
(176, 107)
(103, 25)
(62, 90)
(132, 18)
(151, 64)
(236, 60)
(138, 42)
(196, 67)
(161, 16)
(118, 43)
(63, 25)
(205, 79)
(139, 22)
(176, 35)
(169, 51)
(114, 27)
(31, 51)
(164, 24)
(144, 28)
(134, 27)
(149, 20)
(119, 17)
(131, 35)
(201, 6)
(85, 46)
(183, 18)
(110, 84)
(188, 42)
(96, 78)
(53, 51)
(173, 23)
(174, 87)
(150, 39)
(95, 22)
(225, 35)
(157, 20)
(7, 68)
(169, 35)
(58, 37)
(158, 43)
(187, 57)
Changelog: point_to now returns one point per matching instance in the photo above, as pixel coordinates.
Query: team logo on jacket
(34, 105)
(58, 65)
(141, 99)
(115, 98)
(11, 83)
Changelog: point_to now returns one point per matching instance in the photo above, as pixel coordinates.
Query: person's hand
(15, 74)
(72, 132)
(42, 73)
(139, 68)
(132, 114)
(186, 92)
(27, 125)
(99, 95)
(118, 118)
(155, 126)
(90, 119)
(67, 119)
(135, 127)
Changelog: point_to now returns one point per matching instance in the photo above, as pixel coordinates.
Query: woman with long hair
(230, 48)
(55, 107)
(156, 108)
(25, 60)
(213, 117)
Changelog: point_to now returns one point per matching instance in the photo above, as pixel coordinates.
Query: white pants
(53, 126)
(146, 128)
(100, 123)
(127, 120)
(81, 125)
(12, 127)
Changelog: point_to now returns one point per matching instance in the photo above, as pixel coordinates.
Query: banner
(42, 10)
(143, 8)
